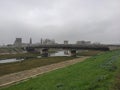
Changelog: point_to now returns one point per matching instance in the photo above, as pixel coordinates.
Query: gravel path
(23, 75)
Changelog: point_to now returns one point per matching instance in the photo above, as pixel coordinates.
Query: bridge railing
(71, 46)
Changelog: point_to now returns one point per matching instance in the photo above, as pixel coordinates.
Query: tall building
(41, 41)
(65, 42)
(30, 41)
(83, 42)
(47, 41)
(18, 42)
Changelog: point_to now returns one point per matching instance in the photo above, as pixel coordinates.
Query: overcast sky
(73, 20)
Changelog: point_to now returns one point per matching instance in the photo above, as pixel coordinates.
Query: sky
(73, 20)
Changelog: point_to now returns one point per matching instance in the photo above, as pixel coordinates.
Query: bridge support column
(30, 49)
(45, 52)
(73, 53)
(66, 52)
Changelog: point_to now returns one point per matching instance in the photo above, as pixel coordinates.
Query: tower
(30, 41)
(41, 41)
(65, 42)
(18, 42)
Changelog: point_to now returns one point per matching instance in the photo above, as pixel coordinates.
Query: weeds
(110, 64)
(117, 83)
(95, 83)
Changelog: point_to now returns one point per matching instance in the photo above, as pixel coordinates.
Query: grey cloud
(60, 19)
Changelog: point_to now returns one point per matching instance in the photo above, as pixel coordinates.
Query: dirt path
(16, 77)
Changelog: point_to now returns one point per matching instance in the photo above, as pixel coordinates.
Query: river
(58, 53)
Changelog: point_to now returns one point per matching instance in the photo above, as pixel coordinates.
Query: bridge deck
(71, 46)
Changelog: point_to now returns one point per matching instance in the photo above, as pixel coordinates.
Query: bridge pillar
(45, 52)
(73, 53)
(66, 52)
(30, 49)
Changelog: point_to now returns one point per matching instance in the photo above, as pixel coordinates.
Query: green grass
(11, 50)
(89, 53)
(18, 55)
(96, 73)
(29, 64)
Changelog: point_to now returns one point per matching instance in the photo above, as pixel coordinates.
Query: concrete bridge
(114, 47)
(72, 47)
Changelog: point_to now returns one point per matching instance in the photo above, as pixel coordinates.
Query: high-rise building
(18, 42)
(47, 41)
(83, 42)
(65, 42)
(30, 41)
(41, 41)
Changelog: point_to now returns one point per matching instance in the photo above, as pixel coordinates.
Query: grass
(29, 64)
(10, 50)
(18, 55)
(96, 73)
(117, 82)
(89, 53)
(116, 85)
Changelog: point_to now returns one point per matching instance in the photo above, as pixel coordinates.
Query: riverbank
(100, 72)
(15, 77)
(8, 68)
(19, 55)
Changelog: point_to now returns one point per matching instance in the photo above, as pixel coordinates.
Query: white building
(83, 42)
(47, 41)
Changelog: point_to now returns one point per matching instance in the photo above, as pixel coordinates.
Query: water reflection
(61, 53)
(11, 60)
(58, 53)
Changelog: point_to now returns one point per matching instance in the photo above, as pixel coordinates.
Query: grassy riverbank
(89, 52)
(29, 64)
(19, 55)
(96, 73)
(34, 55)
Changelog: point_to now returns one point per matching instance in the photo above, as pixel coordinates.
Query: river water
(58, 53)
(11, 60)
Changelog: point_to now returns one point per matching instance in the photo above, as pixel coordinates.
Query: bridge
(70, 46)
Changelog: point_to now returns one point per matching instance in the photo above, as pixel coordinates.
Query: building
(83, 42)
(65, 42)
(30, 41)
(18, 42)
(41, 41)
(47, 41)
